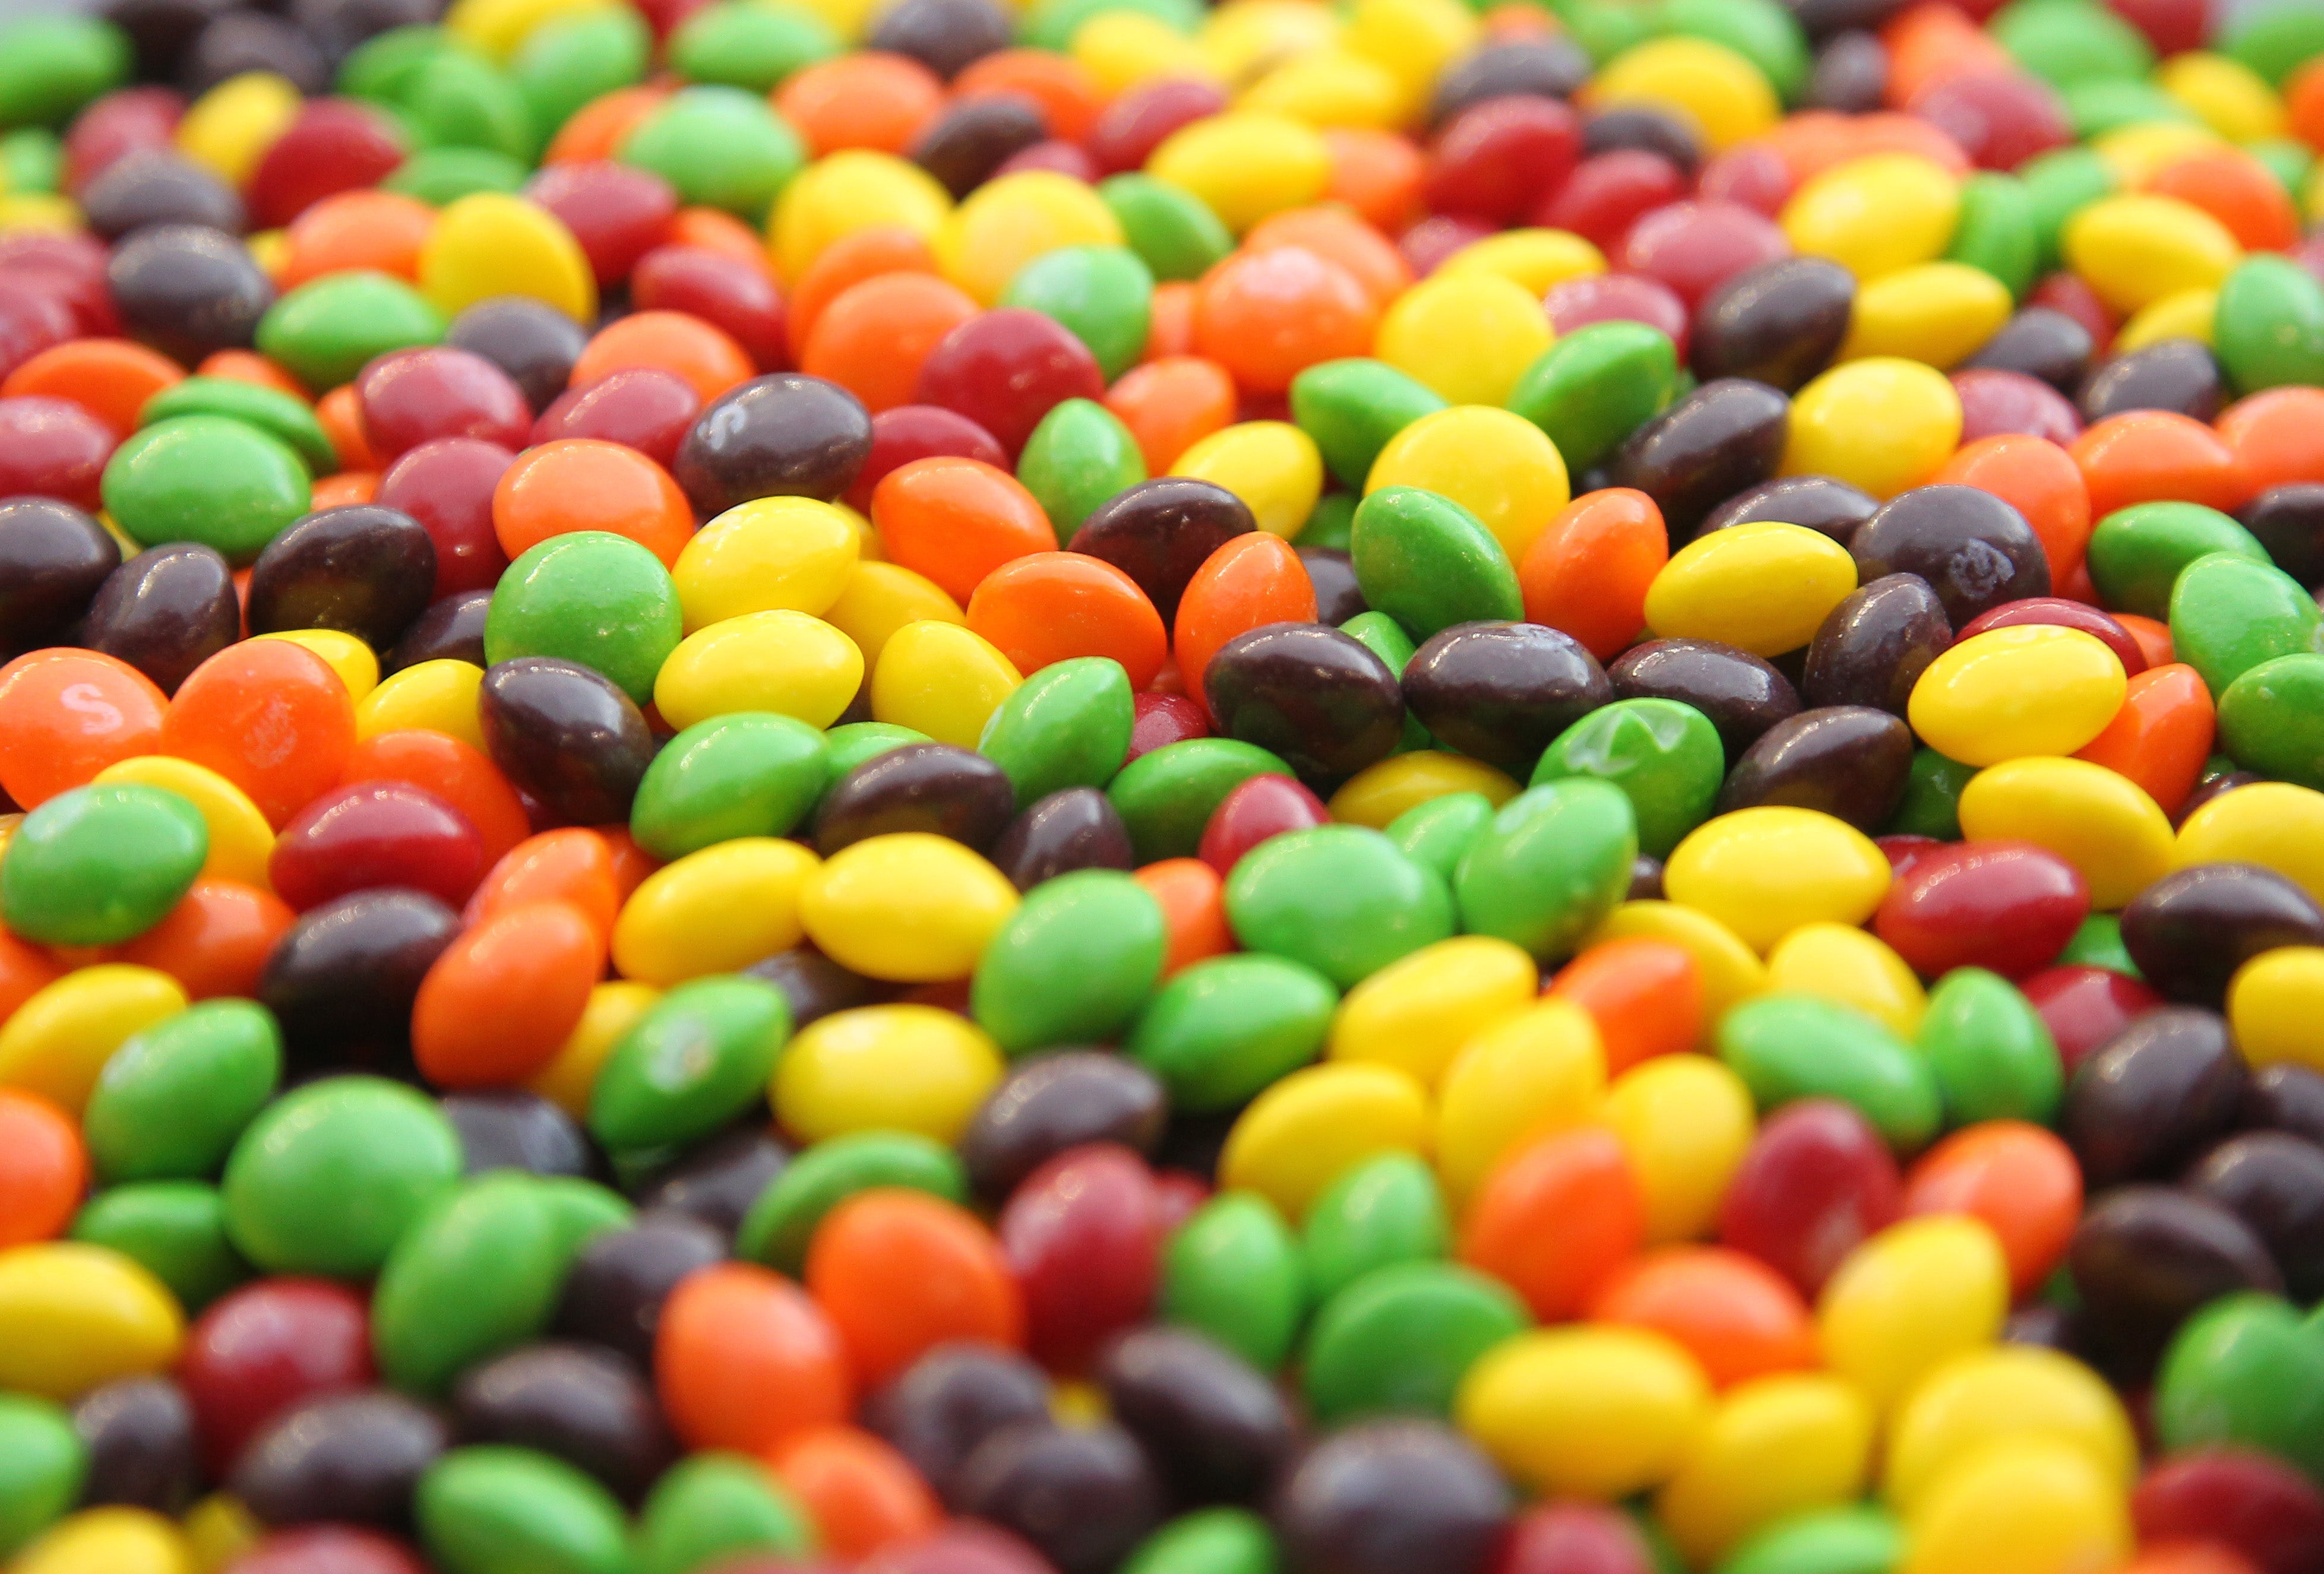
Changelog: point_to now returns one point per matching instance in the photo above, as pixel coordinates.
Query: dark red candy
(1060, 158)
(1576, 303)
(34, 317)
(963, 1546)
(420, 396)
(1609, 192)
(1006, 368)
(1497, 159)
(1127, 131)
(49, 448)
(2000, 118)
(1816, 1181)
(1903, 851)
(132, 120)
(1994, 403)
(905, 432)
(2086, 1007)
(1750, 175)
(2063, 612)
(1160, 719)
(265, 1348)
(1082, 1234)
(372, 834)
(1428, 245)
(2253, 1502)
(1575, 1538)
(2007, 905)
(1256, 809)
(1695, 247)
(617, 212)
(724, 291)
(448, 486)
(328, 1549)
(332, 145)
(70, 267)
(643, 408)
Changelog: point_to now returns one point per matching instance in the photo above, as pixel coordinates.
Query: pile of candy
(1378, 788)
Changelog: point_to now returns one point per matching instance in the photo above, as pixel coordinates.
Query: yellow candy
(74, 1316)
(2101, 822)
(1775, 1446)
(58, 1041)
(2232, 99)
(241, 841)
(1333, 89)
(879, 598)
(1913, 1296)
(2026, 1505)
(1298, 1136)
(108, 1541)
(714, 911)
(2137, 152)
(1938, 312)
(1839, 961)
(851, 190)
(1876, 215)
(228, 129)
(912, 907)
(1586, 1411)
(2008, 1391)
(1686, 1121)
(498, 27)
(1417, 1012)
(1241, 40)
(773, 553)
(269, 248)
(893, 1068)
(1123, 49)
(1731, 971)
(2272, 823)
(2007, 693)
(1497, 465)
(936, 677)
(1765, 871)
(491, 244)
(1376, 794)
(218, 1529)
(2187, 314)
(1533, 258)
(45, 213)
(782, 661)
(438, 696)
(1764, 587)
(614, 1009)
(1469, 337)
(1415, 40)
(1007, 222)
(1540, 1070)
(2134, 250)
(347, 657)
(2276, 1004)
(1726, 96)
(1272, 466)
(1882, 424)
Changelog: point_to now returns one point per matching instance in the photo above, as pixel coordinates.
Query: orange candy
(631, 863)
(378, 230)
(1069, 96)
(704, 357)
(861, 1494)
(2236, 190)
(1556, 1218)
(2273, 436)
(111, 379)
(1170, 326)
(2190, 1558)
(499, 1001)
(2017, 1177)
(459, 773)
(1587, 572)
(1171, 403)
(2144, 456)
(845, 263)
(25, 970)
(1337, 235)
(900, 1272)
(598, 128)
(1734, 1314)
(2161, 735)
(1267, 315)
(956, 521)
(874, 99)
(1250, 579)
(271, 717)
(572, 867)
(873, 338)
(215, 941)
(249, 366)
(2041, 481)
(66, 714)
(1933, 41)
(1644, 995)
(2153, 634)
(2303, 99)
(1051, 606)
(42, 1168)
(715, 230)
(582, 483)
(1377, 173)
(340, 413)
(346, 489)
(1194, 910)
(742, 1359)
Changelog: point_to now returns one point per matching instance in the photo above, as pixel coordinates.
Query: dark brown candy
(1539, 67)
(2153, 1097)
(350, 1459)
(1873, 647)
(1642, 128)
(1318, 698)
(964, 145)
(1851, 74)
(1823, 504)
(165, 612)
(717, 1180)
(613, 1295)
(153, 187)
(535, 344)
(450, 628)
(947, 36)
(814, 986)
(566, 736)
(1724, 436)
(1741, 694)
(2284, 1097)
(1849, 761)
(2288, 521)
(950, 1401)
(2274, 1181)
(508, 1128)
(1332, 573)
(2178, 375)
(1391, 1497)
(1080, 1496)
(1073, 828)
(2039, 343)
(189, 289)
(2190, 930)
(1974, 550)
(1052, 1102)
(1214, 1426)
(363, 570)
(53, 557)
(582, 1405)
(342, 978)
(787, 435)
(1160, 531)
(139, 1432)
(2146, 1258)
(1779, 323)
(1502, 692)
(931, 787)
(241, 42)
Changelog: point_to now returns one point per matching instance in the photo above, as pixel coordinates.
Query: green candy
(1167, 796)
(721, 147)
(2229, 614)
(1104, 295)
(2061, 183)
(1385, 638)
(1605, 28)
(2244, 1371)
(1066, 726)
(755, 45)
(440, 176)
(1233, 1273)
(1823, 1540)
(1072, 965)
(845, 748)
(1385, 1210)
(1930, 805)
(1223, 1029)
(476, 1275)
(2268, 330)
(386, 67)
(1553, 863)
(1762, 31)
(1429, 563)
(174, 1229)
(1596, 386)
(1080, 456)
(51, 65)
(460, 100)
(2102, 104)
(326, 331)
(1399, 1340)
(565, 62)
(1208, 1540)
(269, 410)
(2067, 41)
(782, 1222)
(2272, 720)
(171, 1100)
(1332, 522)
(32, 159)
(747, 773)
(1991, 1052)
(1440, 832)
(2290, 162)
(1050, 24)
(1172, 232)
(1341, 899)
(209, 479)
(588, 596)
(2276, 40)
(712, 1508)
(1787, 1047)
(1665, 756)
(2137, 554)
(101, 864)
(2097, 943)
(42, 1463)
(698, 1057)
(579, 1211)
(1353, 408)
(1998, 231)
(329, 1175)
(495, 1510)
